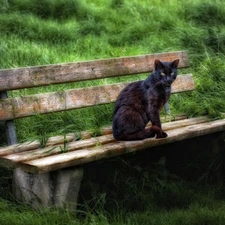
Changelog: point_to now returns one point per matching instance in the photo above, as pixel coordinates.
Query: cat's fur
(141, 102)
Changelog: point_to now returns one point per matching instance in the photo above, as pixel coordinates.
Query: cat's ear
(158, 65)
(175, 63)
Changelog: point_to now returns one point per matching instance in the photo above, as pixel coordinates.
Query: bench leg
(41, 190)
(217, 159)
(58, 188)
(66, 188)
(34, 189)
(22, 186)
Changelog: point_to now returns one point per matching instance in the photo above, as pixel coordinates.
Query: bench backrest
(29, 77)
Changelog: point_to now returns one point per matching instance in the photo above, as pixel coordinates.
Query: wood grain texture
(11, 79)
(30, 145)
(13, 159)
(86, 155)
(26, 146)
(19, 107)
(86, 137)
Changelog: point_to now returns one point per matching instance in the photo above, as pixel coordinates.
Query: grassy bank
(34, 33)
(64, 31)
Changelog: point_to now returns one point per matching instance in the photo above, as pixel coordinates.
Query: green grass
(65, 31)
(34, 33)
(130, 194)
(194, 215)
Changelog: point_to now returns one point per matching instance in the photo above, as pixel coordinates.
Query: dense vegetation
(34, 32)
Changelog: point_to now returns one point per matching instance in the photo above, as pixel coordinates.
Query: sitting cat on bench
(141, 102)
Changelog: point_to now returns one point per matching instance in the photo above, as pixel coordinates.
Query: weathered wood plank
(56, 140)
(13, 159)
(27, 77)
(16, 148)
(183, 83)
(165, 119)
(19, 107)
(60, 139)
(117, 148)
(184, 123)
(30, 145)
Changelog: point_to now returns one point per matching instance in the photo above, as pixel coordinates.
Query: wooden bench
(52, 175)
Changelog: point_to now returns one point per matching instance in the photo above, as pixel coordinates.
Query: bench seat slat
(27, 77)
(118, 148)
(57, 140)
(16, 148)
(13, 159)
(30, 145)
(19, 107)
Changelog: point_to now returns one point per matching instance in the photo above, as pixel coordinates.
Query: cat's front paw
(164, 134)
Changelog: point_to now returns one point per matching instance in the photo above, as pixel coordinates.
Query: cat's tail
(143, 134)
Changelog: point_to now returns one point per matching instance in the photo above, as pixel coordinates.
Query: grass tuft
(57, 10)
(206, 13)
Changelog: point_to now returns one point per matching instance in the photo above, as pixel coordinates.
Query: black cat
(141, 102)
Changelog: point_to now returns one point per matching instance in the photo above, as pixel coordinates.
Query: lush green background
(34, 32)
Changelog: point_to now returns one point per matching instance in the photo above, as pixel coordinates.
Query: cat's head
(166, 72)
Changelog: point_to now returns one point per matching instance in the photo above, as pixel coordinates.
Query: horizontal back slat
(73, 99)
(28, 77)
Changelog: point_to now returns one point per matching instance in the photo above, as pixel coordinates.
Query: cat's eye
(163, 74)
(172, 73)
